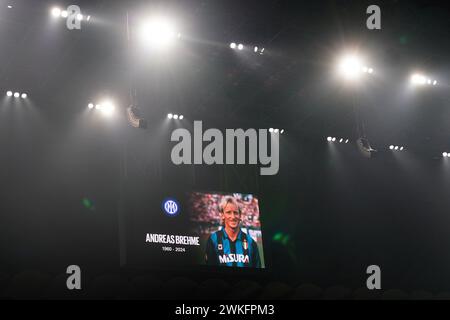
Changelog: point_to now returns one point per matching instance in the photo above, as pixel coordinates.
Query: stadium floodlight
(64, 14)
(16, 95)
(56, 12)
(158, 33)
(444, 154)
(233, 45)
(170, 116)
(88, 18)
(240, 46)
(181, 117)
(418, 79)
(333, 139)
(107, 108)
(80, 17)
(275, 130)
(24, 95)
(175, 116)
(391, 147)
(270, 130)
(342, 140)
(435, 83)
(255, 49)
(401, 148)
(350, 67)
(329, 139)
(9, 93)
(282, 131)
(91, 106)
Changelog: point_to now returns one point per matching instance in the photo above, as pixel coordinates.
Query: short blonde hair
(226, 200)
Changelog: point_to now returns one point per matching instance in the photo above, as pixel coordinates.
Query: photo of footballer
(230, 229)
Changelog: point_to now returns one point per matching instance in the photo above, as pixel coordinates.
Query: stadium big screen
(199, 230)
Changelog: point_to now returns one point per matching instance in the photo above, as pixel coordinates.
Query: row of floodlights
(57, 13)
(396, 148)
(421, 80)
(175, 116)
(446, 154)
(241, 47)
(106, 107)
(275, 130)
(334, 139)
(16, 94)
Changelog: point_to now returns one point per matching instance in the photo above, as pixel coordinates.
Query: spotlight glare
(434, 83)
(271, 130)
(391, 147)
(175, 116)
(346, 141)
(16, 95)
(329, 139)
(350, 67)
(64, 14)
(90, 105)
(396, 148)
(233, 45)
(170, 116)
(444, 154)
(56, 12)
(158, 33)
(418, 79)
(24, 95)
(107, 108)
(9, 93)
(240, 46)
(282, 131)
(342, 140)
(370, 70)
(255, 49)
(275, 130)
(80, 17)
(181, 117)
(401, 148)
(334, 139)
(88, 18)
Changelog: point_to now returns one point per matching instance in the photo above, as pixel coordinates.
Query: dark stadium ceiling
(289, 86)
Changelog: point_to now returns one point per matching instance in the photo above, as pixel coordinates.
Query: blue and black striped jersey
(221, 251)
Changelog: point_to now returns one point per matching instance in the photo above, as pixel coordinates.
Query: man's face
(231, 216)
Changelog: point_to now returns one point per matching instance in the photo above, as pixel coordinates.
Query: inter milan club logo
(171, 207)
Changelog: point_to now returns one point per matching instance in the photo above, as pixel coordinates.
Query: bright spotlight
(170, 116)
(24, 96)
(444, 154)
(64, 14)
(181, 117)
(158, 33)
(80, 17)
(255, 49)
(342, 140)
(107, 108)
(56, 12)
(350, 67)
(9, 93)
(16, 95)
(391, 147)
(370, 70)
(434, 83)
(334, 139)
(275, 130)
(401, 148)
(233, 45)
(329, 139)
(418, 79)
(88, 18)
(240, 46)
(282, 131)
(175, 116)
(396, 148)
(271, 130)
(90, 105)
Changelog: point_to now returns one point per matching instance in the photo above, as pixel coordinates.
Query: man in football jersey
(230, 246)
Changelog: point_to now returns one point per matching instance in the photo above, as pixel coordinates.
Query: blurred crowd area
(33, 284)
(204, 211)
